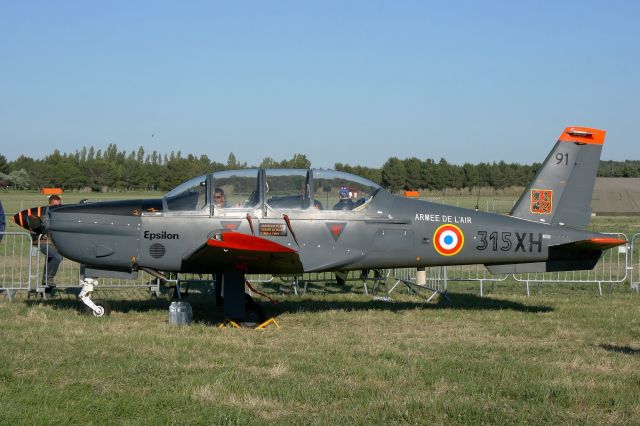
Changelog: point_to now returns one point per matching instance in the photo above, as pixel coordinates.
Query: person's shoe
(49, 290)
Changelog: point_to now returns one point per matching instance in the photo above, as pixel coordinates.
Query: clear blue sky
(355, 81)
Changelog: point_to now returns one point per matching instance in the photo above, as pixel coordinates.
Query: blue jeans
(53, 262)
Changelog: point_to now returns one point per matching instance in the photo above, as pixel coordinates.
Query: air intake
(157, 250)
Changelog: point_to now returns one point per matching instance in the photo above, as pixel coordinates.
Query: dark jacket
(3, 222)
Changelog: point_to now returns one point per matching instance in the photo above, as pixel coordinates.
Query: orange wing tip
(583, 135)
(238, 241)
(607, 242)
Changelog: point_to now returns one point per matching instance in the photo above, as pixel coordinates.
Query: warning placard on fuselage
(272, 229)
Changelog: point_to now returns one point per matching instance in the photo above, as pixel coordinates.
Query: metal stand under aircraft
(239, 307)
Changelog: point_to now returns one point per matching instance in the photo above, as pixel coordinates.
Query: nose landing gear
(98, 307)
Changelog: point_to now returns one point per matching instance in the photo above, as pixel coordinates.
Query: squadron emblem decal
(336, 228)
(448, 240)
(541, 201)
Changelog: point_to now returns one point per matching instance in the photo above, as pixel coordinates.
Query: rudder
(561, 191)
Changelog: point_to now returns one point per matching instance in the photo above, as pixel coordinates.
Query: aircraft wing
(577, 255)
(235, 250)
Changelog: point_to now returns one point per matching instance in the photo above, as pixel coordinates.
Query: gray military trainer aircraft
(290, 221)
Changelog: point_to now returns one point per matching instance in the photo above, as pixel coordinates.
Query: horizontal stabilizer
(575, 256)
(591, 244)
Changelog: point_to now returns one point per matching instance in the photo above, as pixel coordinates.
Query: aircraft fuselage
(391, 232)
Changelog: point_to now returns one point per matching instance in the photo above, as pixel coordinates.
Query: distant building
(616, 197)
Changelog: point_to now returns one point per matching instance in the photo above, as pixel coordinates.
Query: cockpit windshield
(235, 189)
(189, 196)
(342, 191)
(287, 188)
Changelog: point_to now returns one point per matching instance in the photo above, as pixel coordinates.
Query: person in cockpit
(345, 203)
(219, 199)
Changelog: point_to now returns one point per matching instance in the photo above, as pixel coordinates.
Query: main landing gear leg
(97, 308)
(239, 306)
(218, 276)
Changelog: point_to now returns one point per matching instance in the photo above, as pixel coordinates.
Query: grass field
(563, 356)
(339, 358)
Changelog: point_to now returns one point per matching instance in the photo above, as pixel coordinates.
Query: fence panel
(17, 255)
(474, 273)
(433, 279)
(613, 267)
(23, 267)
(438, 277)
(634, 262)
(376, 277)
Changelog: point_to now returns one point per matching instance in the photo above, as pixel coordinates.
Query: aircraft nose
(50, 217)
(102, 234)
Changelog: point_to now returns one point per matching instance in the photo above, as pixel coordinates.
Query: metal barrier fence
(634, 262)
(16, 262)
(23, 268)
(376, 277)
(433, 279)
(437, 277)
(69, 274)
(613, 267)
(474, 273)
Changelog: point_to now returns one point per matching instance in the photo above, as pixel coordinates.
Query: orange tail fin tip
(582, 135)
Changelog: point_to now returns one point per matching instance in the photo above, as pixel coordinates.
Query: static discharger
(579, 133)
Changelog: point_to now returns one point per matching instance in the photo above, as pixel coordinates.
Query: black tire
(106, 308)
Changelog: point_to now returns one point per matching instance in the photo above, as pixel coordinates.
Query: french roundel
(448, 240)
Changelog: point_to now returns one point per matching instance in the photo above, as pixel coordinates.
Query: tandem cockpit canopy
(273, 189)
(191, 195)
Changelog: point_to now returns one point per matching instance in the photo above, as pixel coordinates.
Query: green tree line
(115, 170)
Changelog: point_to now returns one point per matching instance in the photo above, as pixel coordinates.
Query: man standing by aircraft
(54, 258)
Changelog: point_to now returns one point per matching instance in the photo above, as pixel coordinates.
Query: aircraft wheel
(102, 304)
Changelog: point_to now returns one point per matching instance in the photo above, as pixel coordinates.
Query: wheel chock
(266, 324)
(232, 324)
(229, 323)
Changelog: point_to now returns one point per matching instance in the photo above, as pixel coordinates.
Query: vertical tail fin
(561, 191)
